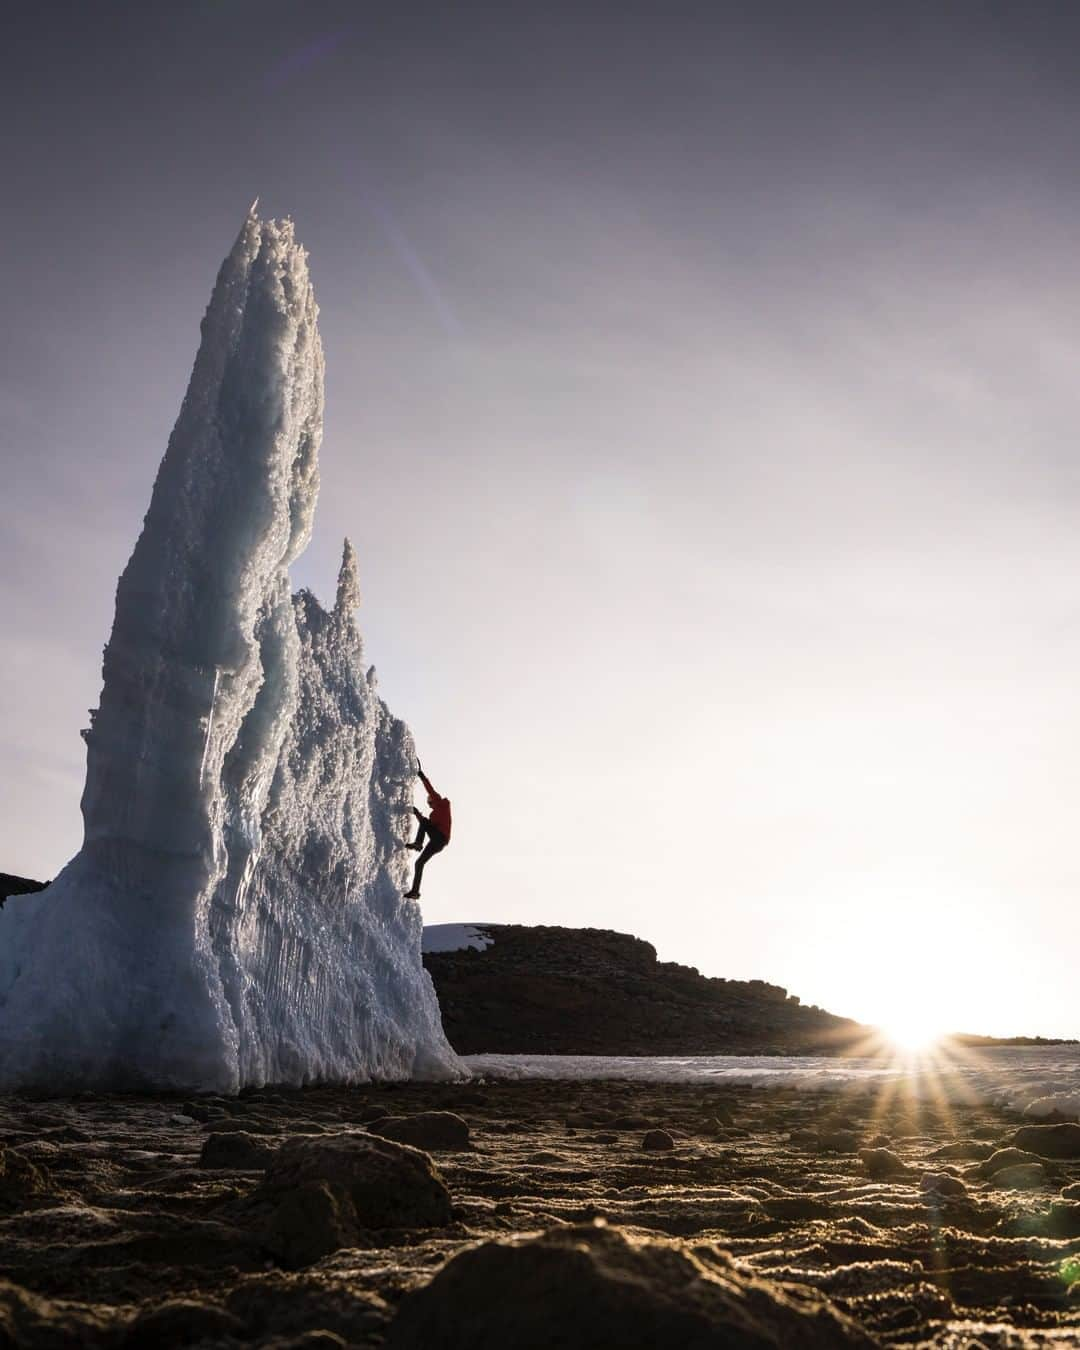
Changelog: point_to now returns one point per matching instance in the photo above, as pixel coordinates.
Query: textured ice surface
(1009, 1076)
(455, 937)
(235, 914)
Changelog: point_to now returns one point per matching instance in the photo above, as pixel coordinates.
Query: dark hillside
(589, 991)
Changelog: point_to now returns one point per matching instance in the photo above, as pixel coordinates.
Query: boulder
(970, 1150)
(427, 1129)
(237, 1151)
(27, 1319)
(656, 1141)
(1071, 1192)
(290, 1306)
(1020, 1177)
(320, 1193)
(594, 1288)
(1002, 1158)
(181, 1322)
(838, 1140)
(21, 1181)
(942, 1183)
(883, 1162)
(1050, 1141)
(1063, 1221)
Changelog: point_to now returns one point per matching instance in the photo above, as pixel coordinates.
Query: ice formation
(235, 915)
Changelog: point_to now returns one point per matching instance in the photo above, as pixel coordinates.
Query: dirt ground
(112, 1231)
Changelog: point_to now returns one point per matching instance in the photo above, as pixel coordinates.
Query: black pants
(437, 841)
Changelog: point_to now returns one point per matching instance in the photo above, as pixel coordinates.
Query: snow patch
(1065, 1104)
(456, 937)
(1016, 1077)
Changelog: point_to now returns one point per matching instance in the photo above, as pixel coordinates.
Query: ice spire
(232, 506)
(348, 586)
(235, 913)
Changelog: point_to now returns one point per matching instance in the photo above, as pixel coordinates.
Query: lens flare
(911, 1035)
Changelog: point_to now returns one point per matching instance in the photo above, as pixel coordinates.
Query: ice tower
(235, 914)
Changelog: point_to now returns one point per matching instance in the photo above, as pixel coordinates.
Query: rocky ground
(672, 1216)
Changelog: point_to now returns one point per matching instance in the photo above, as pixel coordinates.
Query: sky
(701, 401)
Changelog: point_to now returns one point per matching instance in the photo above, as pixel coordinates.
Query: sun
(911, 1033)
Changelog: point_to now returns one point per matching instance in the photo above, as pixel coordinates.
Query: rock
(883, 1162)
(838, 1141)
(1020, 1177)
(427, 1129)
(319, 1194)
(1006, 1157)
(292, 1306)
(942, 1183)
(879, 1141)
(1049, 1141)
(1071, 1192)
(657, 1140)
(181, 1322)
(203, 1111)
(1063, 1220)
(237, 1150)
(594, 1288)
(807, 1139)
(28, 1320)
(178, 1118)
(974, 1150)
(21, 1181)
(11, 885)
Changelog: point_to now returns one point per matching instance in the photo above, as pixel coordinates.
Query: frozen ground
(1036, 1079)
(153, 1221)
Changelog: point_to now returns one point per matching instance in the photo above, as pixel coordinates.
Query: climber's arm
(425, 780)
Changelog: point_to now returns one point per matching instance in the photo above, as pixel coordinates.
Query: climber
(435, 828)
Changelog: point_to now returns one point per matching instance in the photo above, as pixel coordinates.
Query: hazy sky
(702, 393)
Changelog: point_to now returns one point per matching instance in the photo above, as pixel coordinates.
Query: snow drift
(235, 915)
(455, 937)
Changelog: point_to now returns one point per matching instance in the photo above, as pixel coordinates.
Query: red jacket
(440, 808)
